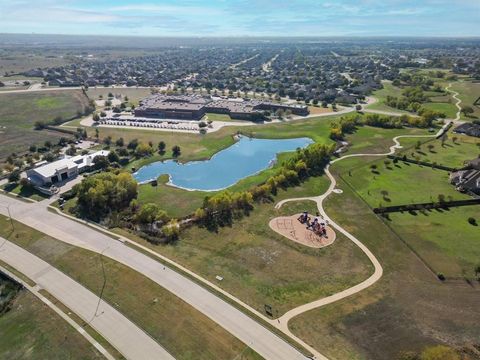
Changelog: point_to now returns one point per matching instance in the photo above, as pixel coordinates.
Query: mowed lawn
(443, 238)
(182, 330)
(261, 267)
(469, 92)
(401, 183)
(31, 330)
(451, 153)
(19, 112)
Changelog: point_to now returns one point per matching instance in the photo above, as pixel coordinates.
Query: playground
(305, 229)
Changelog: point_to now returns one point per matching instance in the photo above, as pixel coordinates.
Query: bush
(472, 221)
(14, 176)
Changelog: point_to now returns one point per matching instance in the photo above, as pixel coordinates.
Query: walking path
(121, 333)
(378, 270)
(457, 104)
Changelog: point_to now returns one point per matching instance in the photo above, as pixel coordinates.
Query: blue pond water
(244, 158)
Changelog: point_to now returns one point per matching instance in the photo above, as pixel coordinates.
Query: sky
(243, 17)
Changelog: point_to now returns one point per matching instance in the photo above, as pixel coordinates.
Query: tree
(14, 176)
(467, 110)
(120, 142)
(143, 150)
(132, 145)
(358, 107)
(430, 147)
(97, 133)
(171, 230)
(149, 213)
(107, 140)
(113, 157)
(161, 147)
(100, 162)
(96, 117)
(71, 150)
(176, 151)
(104, 193)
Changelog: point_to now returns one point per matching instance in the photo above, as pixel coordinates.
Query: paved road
(256, 336)
(126, 337)
(35, 290)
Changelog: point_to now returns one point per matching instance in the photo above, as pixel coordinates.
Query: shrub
(472, 221)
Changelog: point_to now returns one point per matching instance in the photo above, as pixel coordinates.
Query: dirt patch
(291, 228)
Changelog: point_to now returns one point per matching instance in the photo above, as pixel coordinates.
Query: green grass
(449, 109)
(451, 154)
(381, 95)
(444, 239)
(19, 112)
(406, 310)
(24, 191)
(469, 92)
(182, 330)
(134, 94)
(218, 117)
(261, 267)
(405, 183)
(30, 330)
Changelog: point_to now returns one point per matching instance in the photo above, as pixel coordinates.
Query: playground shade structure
(291, 228)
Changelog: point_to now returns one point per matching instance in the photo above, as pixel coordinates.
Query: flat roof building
(62, 170)
(194, 107)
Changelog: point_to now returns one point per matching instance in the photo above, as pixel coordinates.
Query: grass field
(31, 330)
(452, 154)
(448, 108)
(134, 94)
(261, 267)
(19, 112)
(404, 183)
(381, 95)
(469, 92)
(428, 232)
(26, 60)
(182, 330)
(217, 117)
(408, 309)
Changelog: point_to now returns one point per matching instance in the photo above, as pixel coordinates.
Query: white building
(62, 170)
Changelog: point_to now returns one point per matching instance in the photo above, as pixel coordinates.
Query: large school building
(194, 107)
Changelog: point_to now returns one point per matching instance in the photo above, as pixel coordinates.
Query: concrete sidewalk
(131, 341)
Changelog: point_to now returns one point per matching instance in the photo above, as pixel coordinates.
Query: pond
(246, 157)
